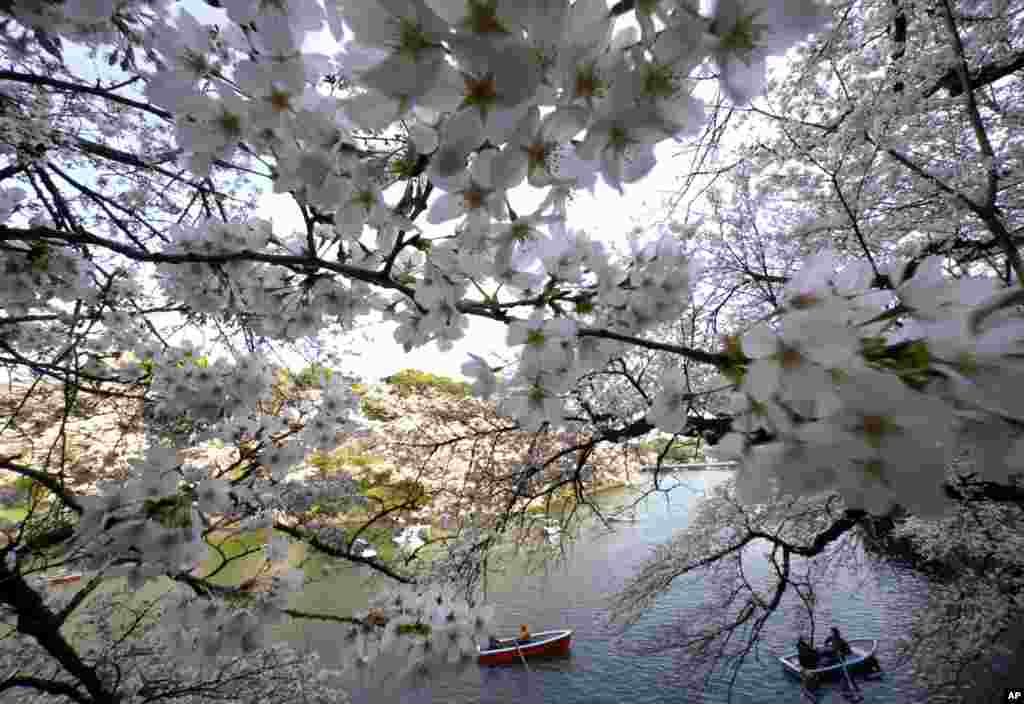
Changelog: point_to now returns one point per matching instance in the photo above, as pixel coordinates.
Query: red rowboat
(64, 578)
(512, 650)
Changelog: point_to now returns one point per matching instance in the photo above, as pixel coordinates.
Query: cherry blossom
(497, 83)
(749, 31)
(409, 35)
(547, 342)
(211, 128)
(479, 194)
(186, 48)
(622, 139)
(486, 382)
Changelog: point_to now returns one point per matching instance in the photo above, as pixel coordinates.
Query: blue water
(606, 667)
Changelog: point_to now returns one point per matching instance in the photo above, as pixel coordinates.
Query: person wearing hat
(836, 644)
(806, 654)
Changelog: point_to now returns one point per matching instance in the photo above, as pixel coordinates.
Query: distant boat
(412, 537)
(363, 548)
(553, 531)
(66, 578)
(512, 650)
(861, 657)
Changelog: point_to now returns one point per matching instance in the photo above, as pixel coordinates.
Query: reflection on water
(604, 667)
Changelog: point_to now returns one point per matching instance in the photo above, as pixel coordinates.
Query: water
(604, 668)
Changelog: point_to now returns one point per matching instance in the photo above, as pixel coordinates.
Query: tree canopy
(832, 298)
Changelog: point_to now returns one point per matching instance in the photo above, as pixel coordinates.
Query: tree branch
(835, 531)
(37, 621)
(981, 135)
(36, 80)
(952, 82)
(45, 479)
(718, 360)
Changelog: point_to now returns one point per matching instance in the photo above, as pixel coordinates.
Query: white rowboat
(861, 656)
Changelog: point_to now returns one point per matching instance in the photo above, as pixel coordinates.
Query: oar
(805, 679)
(521, 656)
(849, 680)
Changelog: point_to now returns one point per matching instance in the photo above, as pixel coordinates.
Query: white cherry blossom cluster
(462, 74)
(429, 626)
(859, 407)
(34, 275)
(299, 497)
(205, 392)
(275, 304)
(217, 237)
(204, 627)
(337, 413)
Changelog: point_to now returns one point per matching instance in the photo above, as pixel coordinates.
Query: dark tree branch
(718, 360)
(295, 613)
(36, 620)
(36, 80)
(978, 78)
(47, 480)
(985, 491)
(334, 552)
(822, 540)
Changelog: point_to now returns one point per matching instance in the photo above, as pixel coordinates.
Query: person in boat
(524, 634)
(493, 643)
(838, 646)
(806, 654)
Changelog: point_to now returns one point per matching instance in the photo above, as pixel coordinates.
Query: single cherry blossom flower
(185, 49)
(622, 138)
(460, 135)
(210, 128)
(749, 31)
(405, 58)
(485, 380)
(497, 83)
(533, 404)
(547, 342)
(362, 203)
(479, 195)
(540, 150)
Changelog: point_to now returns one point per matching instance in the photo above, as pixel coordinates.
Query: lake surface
(604, 667)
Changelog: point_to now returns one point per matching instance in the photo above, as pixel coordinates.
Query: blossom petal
(448, 206)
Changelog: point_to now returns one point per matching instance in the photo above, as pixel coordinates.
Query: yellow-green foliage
(377, 410)
(409, 381)
(342, 458)
(682, 449)
(172, 512)
(311, 376)
(370, 479)
(404, 491)
(419, 629)
(26, 486)
(410, 488)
